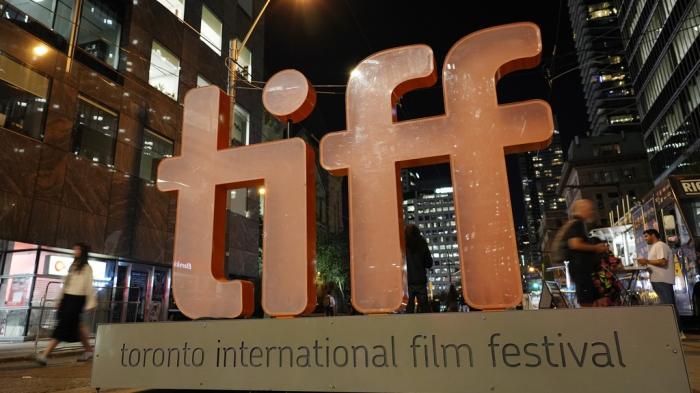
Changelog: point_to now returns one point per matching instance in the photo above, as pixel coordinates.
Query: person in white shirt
(660, 262)
(77, 295)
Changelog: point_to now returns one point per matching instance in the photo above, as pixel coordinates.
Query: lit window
(95, 131)
(245, 62)
(211, 30)
(241, 130)
(164, 73)
(601, 10)
(23, 95)
(202, 81)
(100, 31)
(56, 15)
(177, 7)
(154, 149)
(621, 119)
(617, 76)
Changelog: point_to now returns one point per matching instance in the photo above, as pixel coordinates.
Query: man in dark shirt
(418, 260)
(582, 255)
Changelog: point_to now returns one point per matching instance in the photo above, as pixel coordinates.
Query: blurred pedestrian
(77, 296)
(573, 244)
(418, 259)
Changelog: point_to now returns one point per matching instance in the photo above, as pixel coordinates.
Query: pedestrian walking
(662, 274)
(418, 259)
(573, 244)
(77, 296)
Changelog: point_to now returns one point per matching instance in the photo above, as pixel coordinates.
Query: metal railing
(29, 304)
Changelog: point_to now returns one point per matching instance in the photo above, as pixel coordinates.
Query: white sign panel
(585, 350)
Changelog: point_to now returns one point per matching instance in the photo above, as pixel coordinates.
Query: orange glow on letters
(202, 174)
(473, 136)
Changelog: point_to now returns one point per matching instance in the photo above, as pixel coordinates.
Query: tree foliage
(332, 260)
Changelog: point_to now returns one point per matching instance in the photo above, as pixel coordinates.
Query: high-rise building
(540, 174)
(433, 212)
(610, 170)
(91, 95)
(661, 43)
(607, 83)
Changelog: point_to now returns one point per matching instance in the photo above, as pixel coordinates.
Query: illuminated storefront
(30, 287)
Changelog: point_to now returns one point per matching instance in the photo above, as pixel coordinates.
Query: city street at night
(350, 196)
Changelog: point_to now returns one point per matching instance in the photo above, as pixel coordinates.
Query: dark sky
(325, 39)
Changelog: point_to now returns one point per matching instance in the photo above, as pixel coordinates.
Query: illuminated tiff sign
(472, 136)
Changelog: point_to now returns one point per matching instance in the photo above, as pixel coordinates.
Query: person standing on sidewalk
(77, 296)
(418, 259)
(662, 275)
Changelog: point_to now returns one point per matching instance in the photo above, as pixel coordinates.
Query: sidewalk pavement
(13, 352)
(65, 375)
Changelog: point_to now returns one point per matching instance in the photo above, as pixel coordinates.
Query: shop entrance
(141, 293)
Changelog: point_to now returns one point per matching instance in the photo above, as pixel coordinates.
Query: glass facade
(164, 73)
(54, 14)
(95, 131)
(211, 30)
(32, 277)
(23, 96)
(177, 7)
(241, 127)
(155, 148)
(245, 62)
(666, 59)
(100, 31)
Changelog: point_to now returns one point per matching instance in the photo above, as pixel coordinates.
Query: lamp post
(234, 52)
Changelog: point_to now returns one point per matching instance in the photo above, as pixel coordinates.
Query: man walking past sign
(573, 244)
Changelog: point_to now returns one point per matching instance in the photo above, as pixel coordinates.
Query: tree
(332, 261)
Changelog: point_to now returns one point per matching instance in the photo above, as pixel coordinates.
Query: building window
(202, 81)
(154, 149)
(177, 7)
(601, 10)
(245, 62)
(247, 6)
(211, 30)
(95, 131)
(621, 119)
(23, 95)
(241, 129)
(164, 74)
(54, 14)
(100, 31)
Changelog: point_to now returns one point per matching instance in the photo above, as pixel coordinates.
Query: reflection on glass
(241, 127)
(245, 62)
(211, 30)
(100, 30)
(164, 73)
(23, 95)
(202, 81)
(95, 131)
(154, 149)
(177, 7)
(54, 14)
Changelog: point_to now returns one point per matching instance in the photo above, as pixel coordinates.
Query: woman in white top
(77, 296)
